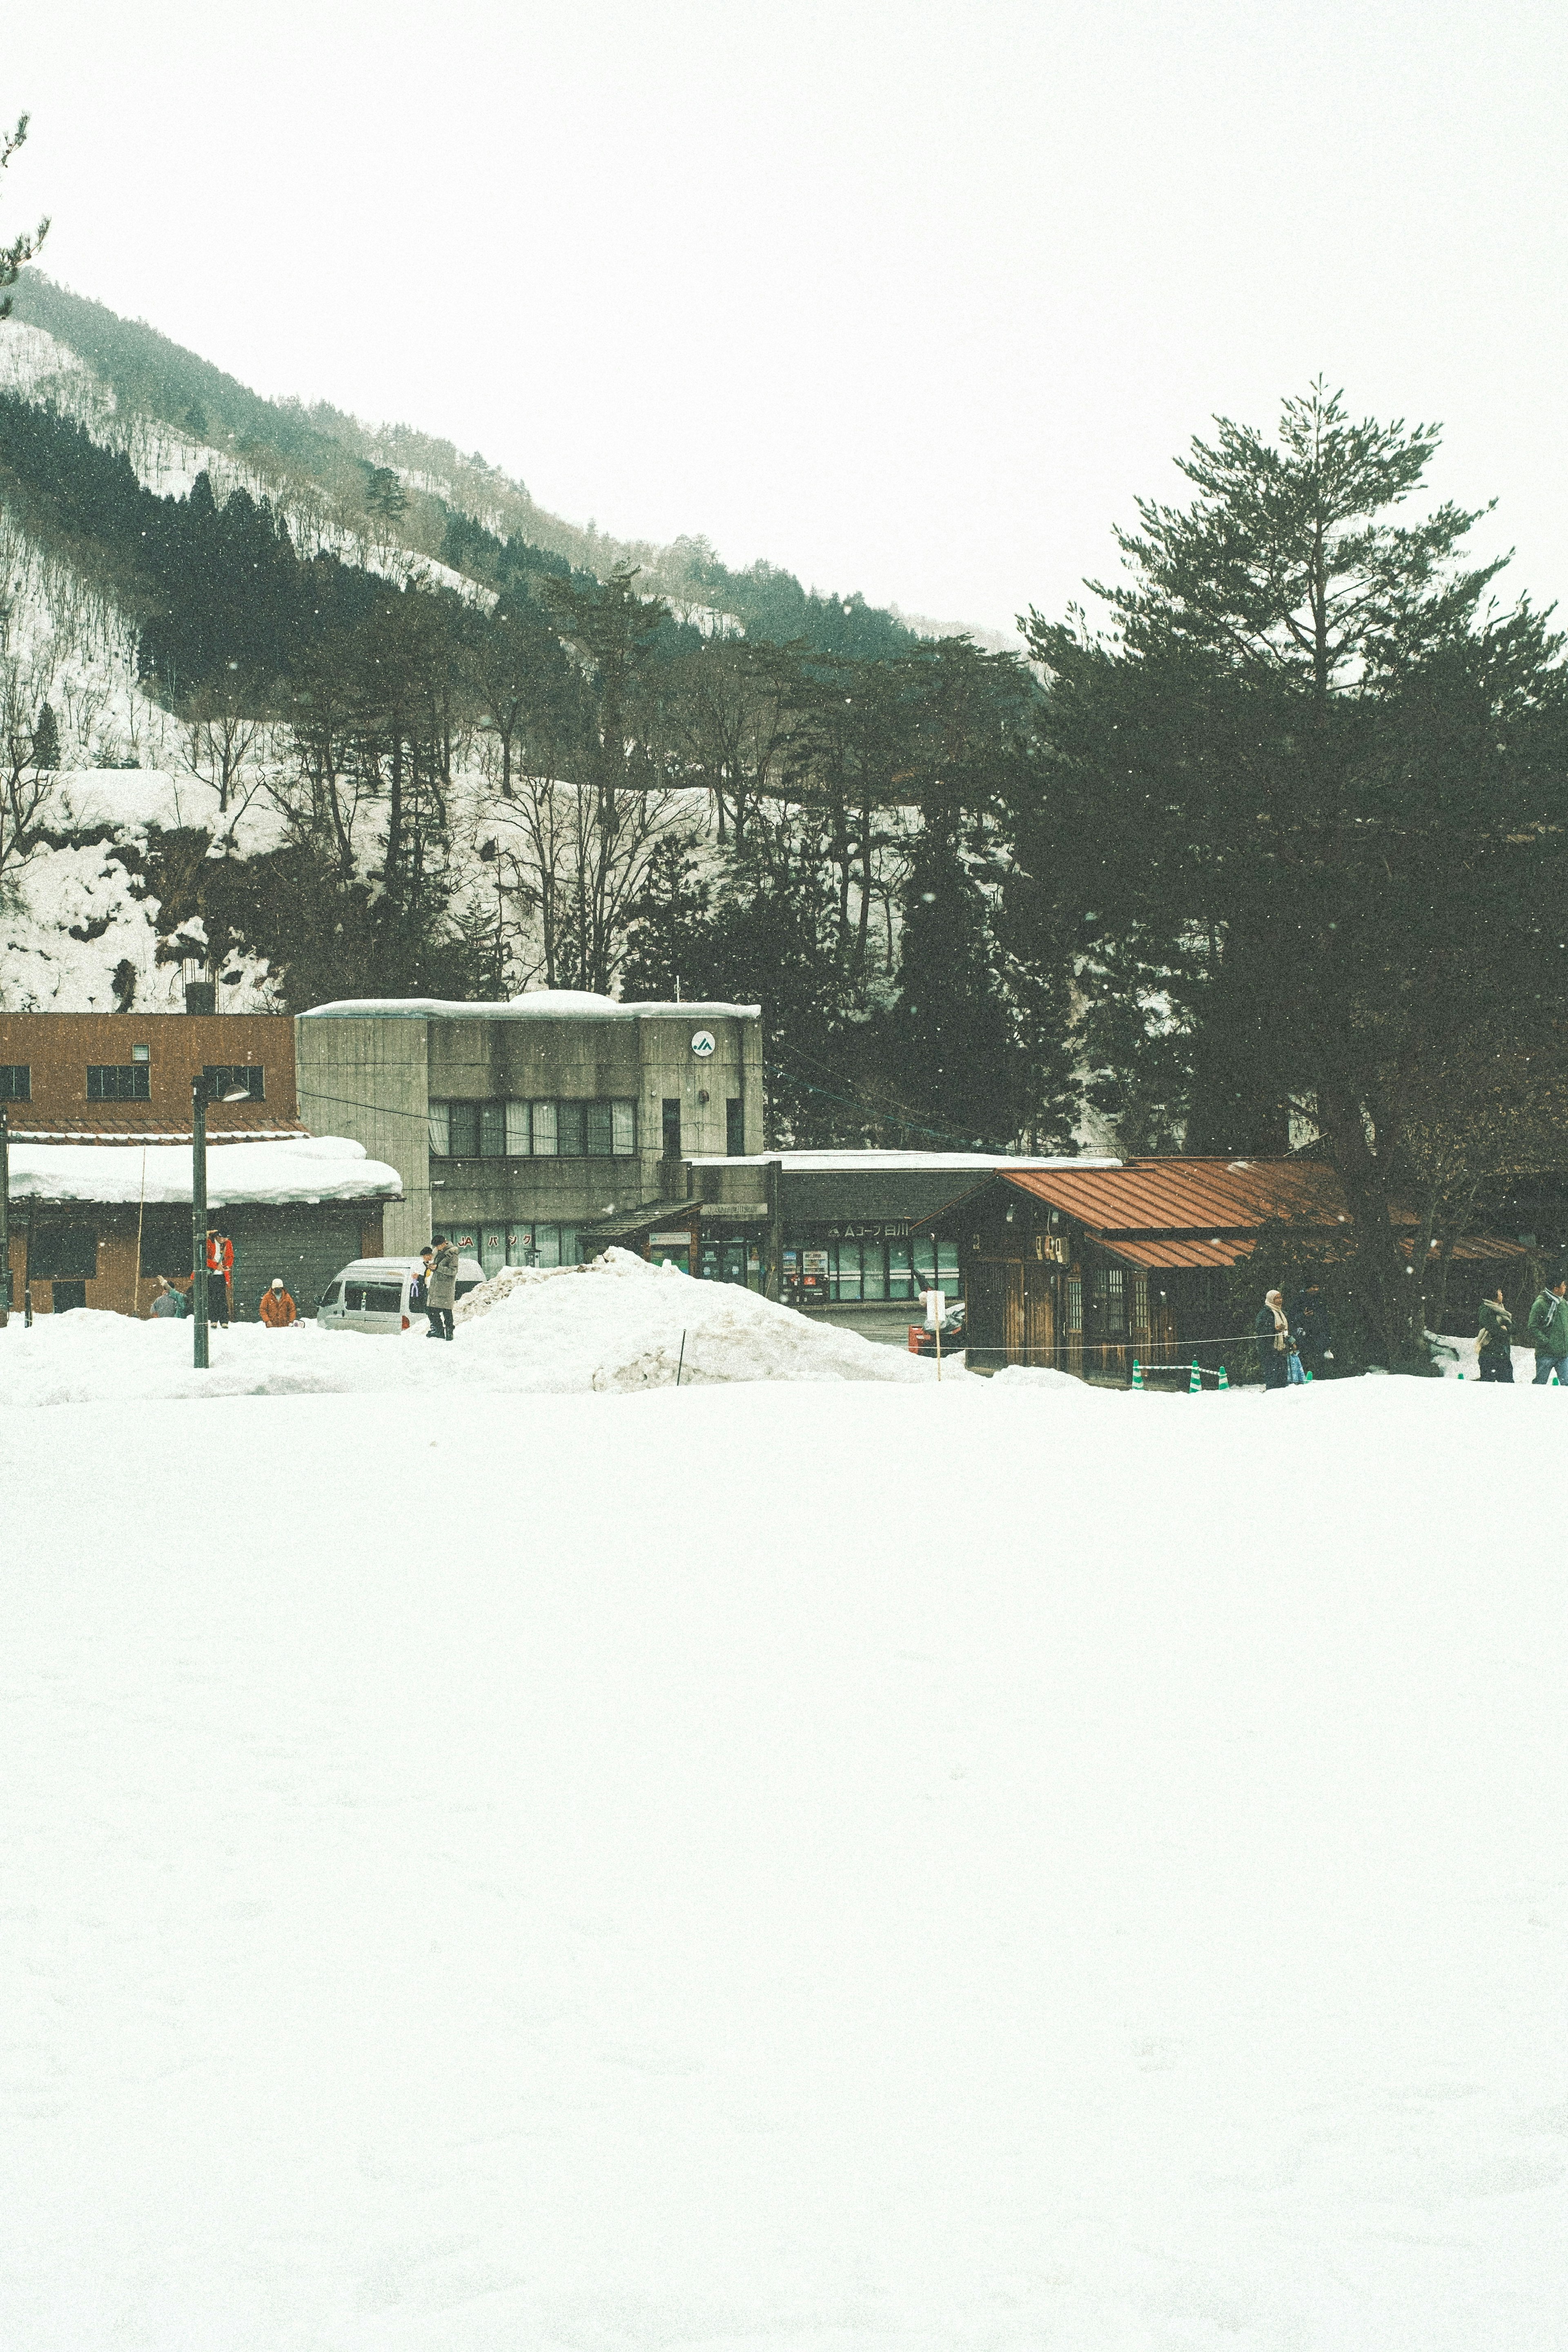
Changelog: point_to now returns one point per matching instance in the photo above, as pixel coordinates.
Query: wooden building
(1089, 1270)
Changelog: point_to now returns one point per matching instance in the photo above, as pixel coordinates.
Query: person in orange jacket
(278, 1309)
(220, 1273)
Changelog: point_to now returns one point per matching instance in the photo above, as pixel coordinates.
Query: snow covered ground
(841, 1866)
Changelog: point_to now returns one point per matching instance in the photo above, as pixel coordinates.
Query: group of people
(1295, 1346)
(1547, 1325)
(276, 1309)
(435, 1287)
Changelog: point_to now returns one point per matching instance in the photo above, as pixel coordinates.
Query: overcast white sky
(909, 295)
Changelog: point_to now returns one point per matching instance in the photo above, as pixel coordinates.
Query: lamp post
(201, 1094)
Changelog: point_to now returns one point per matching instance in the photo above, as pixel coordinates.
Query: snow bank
(613, 1326)
(299, 1168)
(812, 1867)
(621, 1324)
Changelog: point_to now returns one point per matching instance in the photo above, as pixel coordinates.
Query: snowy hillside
(852, 1869)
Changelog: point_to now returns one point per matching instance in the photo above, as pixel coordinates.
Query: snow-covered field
(830, 1865)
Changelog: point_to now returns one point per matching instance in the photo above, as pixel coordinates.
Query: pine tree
(15, 256)
(1307, 799)
(46, 740)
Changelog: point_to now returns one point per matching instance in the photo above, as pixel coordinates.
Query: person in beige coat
(441, 1288)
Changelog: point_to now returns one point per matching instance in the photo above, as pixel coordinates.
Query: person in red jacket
(220, 1273)
(278, 1309)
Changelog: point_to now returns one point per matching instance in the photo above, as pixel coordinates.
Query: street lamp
(201, 1094)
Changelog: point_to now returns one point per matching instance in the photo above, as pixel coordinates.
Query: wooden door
(1014, 1341)
(1040, 1313)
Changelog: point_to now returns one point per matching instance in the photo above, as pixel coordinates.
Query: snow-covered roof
(538, 1005)
(305, 1168)
(849, 1163)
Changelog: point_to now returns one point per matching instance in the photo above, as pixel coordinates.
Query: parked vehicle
(371, 1295)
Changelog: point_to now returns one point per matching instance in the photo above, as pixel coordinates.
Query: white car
(371, 1295)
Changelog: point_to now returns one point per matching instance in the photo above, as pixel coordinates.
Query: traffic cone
(1195, 1385)
(1137, 1373)
(1223, 1381)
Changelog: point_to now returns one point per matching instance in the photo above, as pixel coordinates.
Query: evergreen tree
(1306, 796)
(46, 740)
(21, 249)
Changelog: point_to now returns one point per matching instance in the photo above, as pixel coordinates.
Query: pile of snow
(829, 1869)
(614, 1327)
(620, 1324)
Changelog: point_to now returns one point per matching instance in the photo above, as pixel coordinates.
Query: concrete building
(516, 1126)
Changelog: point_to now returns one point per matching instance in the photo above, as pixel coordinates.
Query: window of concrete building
(538, 1130)
(15, 1082)
(734, 1127)
(234, 1078)
(672, 1127)
(463, 1119)
(119, 1082)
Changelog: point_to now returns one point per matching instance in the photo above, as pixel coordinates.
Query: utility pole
(199, 1218)
(4, 1219)
(773, 1279)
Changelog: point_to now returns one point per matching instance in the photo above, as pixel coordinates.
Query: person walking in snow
(1548, 1326)
(1273, 1330)
(1494, 1343)
(441, 1288)
(167, 1304)
(278, 1309)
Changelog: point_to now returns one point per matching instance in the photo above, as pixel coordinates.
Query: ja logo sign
(703, 1044)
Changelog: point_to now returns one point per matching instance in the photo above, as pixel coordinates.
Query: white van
(371, 1295)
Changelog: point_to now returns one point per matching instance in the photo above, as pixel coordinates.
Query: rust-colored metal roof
(1187, 1195)
(139, 1123)
(1161, 1254)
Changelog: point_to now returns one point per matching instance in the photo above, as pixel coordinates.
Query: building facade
(519, 1127)
(95, 1223)
(1090, 1269)
(65, 1075)
(835, 1231)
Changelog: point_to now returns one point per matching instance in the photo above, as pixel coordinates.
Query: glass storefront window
(844, 1271)
(520, 1244)
(901, 1270)
(492, 1249)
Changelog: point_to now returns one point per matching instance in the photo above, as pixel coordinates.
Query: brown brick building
(73, 1077)
(111, 1081)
